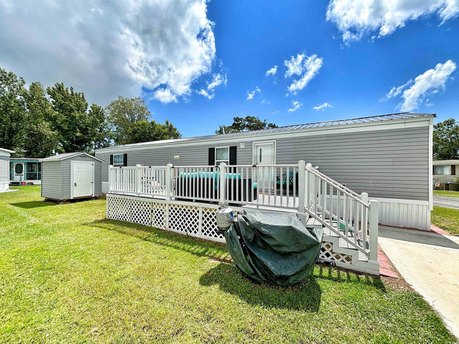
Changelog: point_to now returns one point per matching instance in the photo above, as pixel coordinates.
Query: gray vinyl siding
(392, 163)
(4, 169)
(386, 163)
(51, 180)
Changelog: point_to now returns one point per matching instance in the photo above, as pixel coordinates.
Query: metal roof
(65, 156)
(402, 116)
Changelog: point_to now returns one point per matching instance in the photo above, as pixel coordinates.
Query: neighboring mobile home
(25, 171)
(5, 169)
(387, 156)
(446, 174)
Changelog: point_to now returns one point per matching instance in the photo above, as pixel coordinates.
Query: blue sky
(251, 37)
(196, 61)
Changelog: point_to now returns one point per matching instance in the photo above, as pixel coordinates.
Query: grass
(446, 193)
(447, 219)
(69, 275)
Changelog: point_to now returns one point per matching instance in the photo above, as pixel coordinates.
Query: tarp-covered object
(273, 247)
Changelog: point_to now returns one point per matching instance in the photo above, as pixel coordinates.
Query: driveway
(429, 262)
(447, 202)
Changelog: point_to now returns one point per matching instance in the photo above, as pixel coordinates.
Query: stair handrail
(339, 186)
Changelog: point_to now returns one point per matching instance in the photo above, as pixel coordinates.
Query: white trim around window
(118, 159)
(219, 161)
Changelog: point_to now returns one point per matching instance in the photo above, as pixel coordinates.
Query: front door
(82, 179)
(265, 155)
(18, 175)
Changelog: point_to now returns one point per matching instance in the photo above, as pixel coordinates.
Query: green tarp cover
(273, 247)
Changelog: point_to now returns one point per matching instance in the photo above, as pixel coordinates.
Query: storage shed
(5, 169)
(71, 176)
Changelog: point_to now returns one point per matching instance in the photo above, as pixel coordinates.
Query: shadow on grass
(305, 296)
(181, 242)
(219, 252)
(33, 204)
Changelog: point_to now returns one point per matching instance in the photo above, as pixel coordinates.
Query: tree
(122, 114)
(12, 109)
(37, 138)
(129, 120)
(78, 128)
(248, 123)
(446, 140)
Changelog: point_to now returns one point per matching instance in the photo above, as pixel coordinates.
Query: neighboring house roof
(352, 122)
(25, 158)
(65, 156)
(6, 150)
(445, 162)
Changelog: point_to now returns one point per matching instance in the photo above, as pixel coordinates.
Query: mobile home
(25, 171)
(4, 169)
(388, 156)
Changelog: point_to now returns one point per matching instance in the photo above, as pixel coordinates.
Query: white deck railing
(295, 186)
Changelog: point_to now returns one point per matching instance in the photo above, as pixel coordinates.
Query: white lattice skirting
(193, 219)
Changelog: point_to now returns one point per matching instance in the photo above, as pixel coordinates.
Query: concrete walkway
(447, 202)
(429, 262)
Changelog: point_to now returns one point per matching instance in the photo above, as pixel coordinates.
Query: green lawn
(447, 219)
(68, 275)
(446, 193)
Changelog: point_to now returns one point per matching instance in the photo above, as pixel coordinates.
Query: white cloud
(295, 106)
(106, 49)
(306, 67)
(430, 82)
(356, 18)
(271, 71)
(251, 94)
(164, 95)
(322, 106)
(217, 80)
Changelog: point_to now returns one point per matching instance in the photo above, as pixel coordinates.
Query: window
(19, 168)
(222, 155)
(442, 170)
(118, 159)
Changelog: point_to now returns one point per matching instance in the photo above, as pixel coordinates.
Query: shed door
(82, 179)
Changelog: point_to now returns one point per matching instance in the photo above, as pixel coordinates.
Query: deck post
(301, 187)
(169, 181)
(308, 185)
(373, 221)
(222, 170)
(138, 180)
(364, 197)
(110, 178)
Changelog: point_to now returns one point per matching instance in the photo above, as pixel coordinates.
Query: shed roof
(65, 156)
(351, 122)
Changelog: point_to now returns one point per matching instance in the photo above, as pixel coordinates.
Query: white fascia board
(355, 128)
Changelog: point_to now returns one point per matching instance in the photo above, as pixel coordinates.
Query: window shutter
(211, 161)
(125, 160)
(111, 159)
(453, 170)
(233, 155)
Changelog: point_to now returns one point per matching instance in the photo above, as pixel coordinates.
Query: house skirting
(4, 186)
(404, 213)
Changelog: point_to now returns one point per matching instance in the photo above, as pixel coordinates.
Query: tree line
(39, 122)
